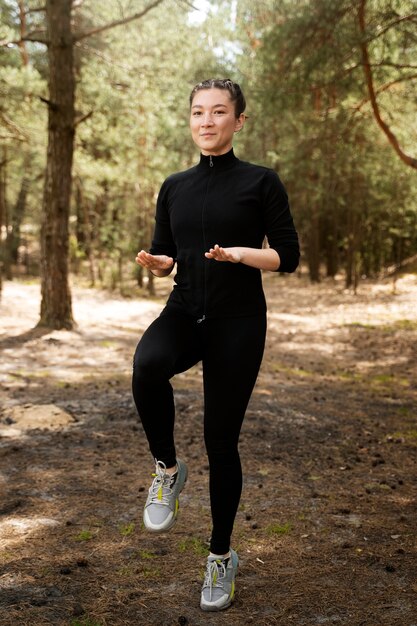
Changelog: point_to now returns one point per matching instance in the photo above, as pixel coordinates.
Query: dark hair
(234, 90)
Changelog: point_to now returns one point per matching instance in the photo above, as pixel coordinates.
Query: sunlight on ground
(304, 320)
(27, 417)
(13, 529)
(108, 327)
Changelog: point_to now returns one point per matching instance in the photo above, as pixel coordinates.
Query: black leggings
(231, 351)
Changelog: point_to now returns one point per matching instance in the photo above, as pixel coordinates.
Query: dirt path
(326, 528)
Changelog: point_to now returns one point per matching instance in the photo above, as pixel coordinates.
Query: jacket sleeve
(163, 242)
(279, 225)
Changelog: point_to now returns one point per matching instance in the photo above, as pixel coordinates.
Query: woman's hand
(262, 259)
(233, 255)
(158, 264)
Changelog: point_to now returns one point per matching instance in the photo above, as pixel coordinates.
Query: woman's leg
(170, 345)
(233, 350)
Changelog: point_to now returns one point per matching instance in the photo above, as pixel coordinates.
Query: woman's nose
(207, 119)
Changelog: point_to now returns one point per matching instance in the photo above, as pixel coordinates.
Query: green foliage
(310, 118)
(353, 199)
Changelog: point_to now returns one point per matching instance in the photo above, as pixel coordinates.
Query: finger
(222, 254)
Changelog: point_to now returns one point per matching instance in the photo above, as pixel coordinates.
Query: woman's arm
(262, 259)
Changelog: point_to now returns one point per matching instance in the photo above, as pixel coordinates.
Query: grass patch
(405, 411)
(106, 343)
(84, 535)
(126, 571)
(193, 544)
(292, 371)
(30, 374)
(86, 621)
(361, 325)
(404, 324)
(149, 571)
(388, 380)
(410, 436)
(279, 529)
(6, 556)
(145, 554)
(384, 381)
(126, 530)
(344, 375)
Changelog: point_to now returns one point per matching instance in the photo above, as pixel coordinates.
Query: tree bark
(56, 307)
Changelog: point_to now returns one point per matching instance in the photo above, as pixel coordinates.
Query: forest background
(94, 115)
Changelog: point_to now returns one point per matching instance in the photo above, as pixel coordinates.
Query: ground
(326, 527)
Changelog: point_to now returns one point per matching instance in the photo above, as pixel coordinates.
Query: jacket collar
(218, 163)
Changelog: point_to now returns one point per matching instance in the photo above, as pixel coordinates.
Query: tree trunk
(56, 309)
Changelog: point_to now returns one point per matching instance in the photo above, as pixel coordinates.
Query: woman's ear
(240, 122)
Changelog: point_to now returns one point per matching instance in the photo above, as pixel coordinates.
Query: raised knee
(148, 369)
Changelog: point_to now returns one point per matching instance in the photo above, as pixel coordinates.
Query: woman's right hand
(155, 262)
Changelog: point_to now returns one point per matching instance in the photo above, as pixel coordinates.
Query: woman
(211, 221)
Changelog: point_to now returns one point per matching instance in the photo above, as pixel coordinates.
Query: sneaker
(219, 584)
(162, 504)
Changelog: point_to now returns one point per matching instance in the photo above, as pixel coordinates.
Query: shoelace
(215, 573)
(161, 487)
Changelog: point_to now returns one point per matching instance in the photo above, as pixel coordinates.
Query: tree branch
(38, 10)
(51, 105)
(31, 35)
(385, 87)
(398, 66)
(18, 133)
(393, 269)
(83, 118)
(126, 20)
(403, 18)
(409, 160)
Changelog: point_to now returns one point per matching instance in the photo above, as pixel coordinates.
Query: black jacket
(232, 203)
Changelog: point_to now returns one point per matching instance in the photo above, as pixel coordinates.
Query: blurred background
(332, 107)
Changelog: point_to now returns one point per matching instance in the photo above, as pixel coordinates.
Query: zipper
(203, 317)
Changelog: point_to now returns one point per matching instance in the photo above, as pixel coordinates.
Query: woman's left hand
(233, 255)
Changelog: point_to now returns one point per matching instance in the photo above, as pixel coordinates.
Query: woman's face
(213, 121)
